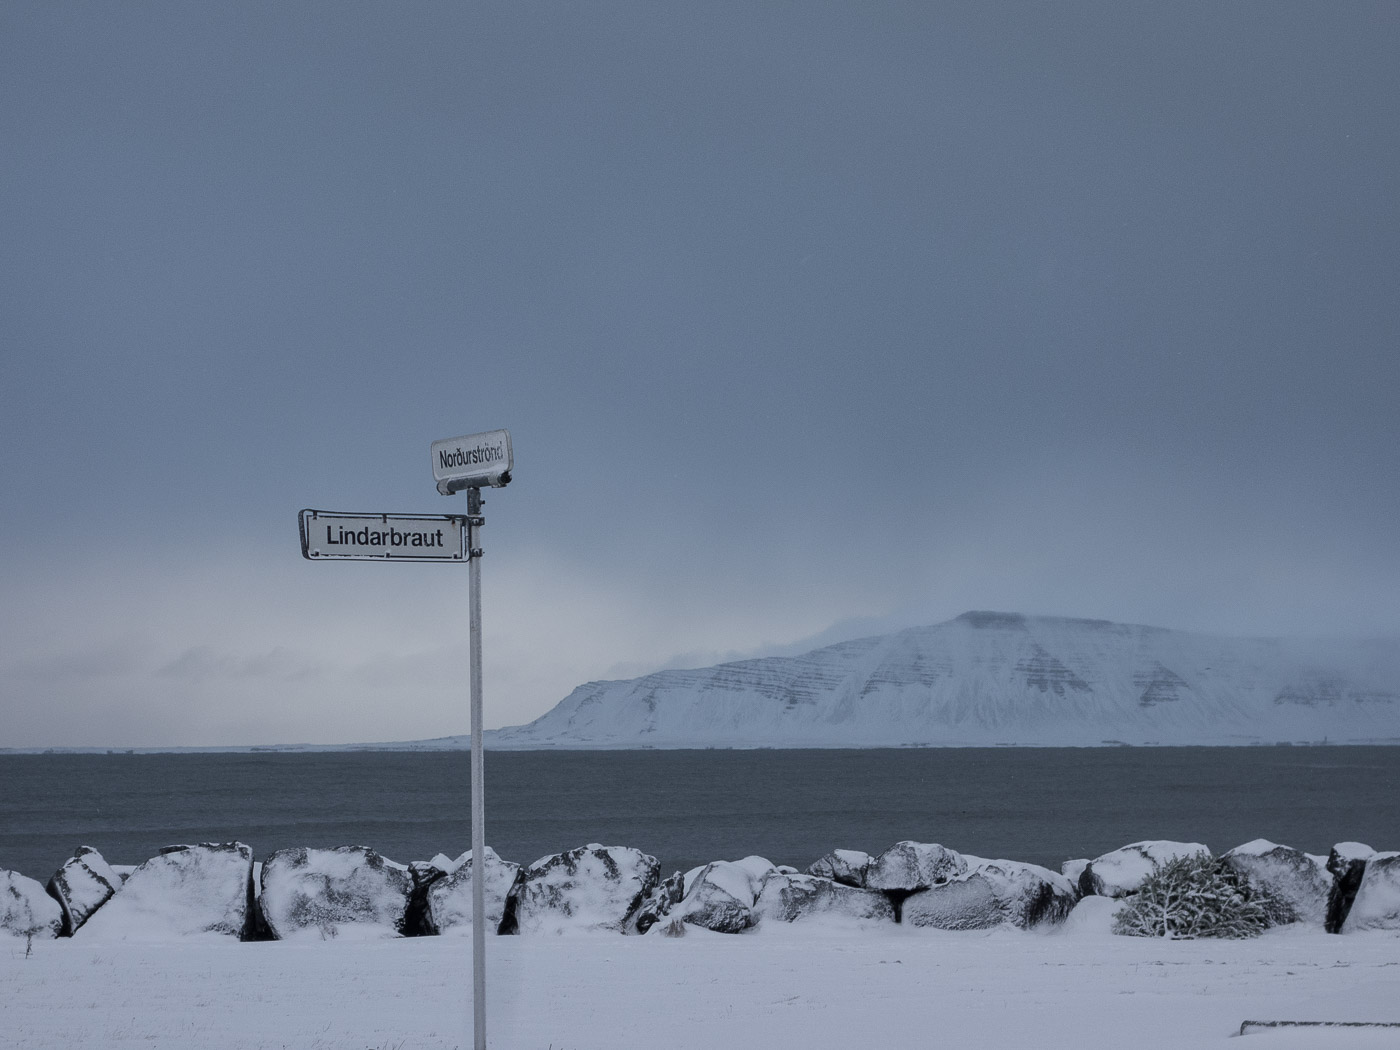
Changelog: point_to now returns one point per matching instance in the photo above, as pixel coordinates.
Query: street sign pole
(474, 523)
(471, 462)
(474, 462)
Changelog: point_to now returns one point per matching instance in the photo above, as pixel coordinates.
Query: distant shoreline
(409, 746)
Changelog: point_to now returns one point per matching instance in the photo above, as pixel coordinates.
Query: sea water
(1043, 805)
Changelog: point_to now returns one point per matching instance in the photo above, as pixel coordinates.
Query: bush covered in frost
(1195, 896)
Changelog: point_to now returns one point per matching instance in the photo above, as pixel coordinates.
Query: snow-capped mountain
(998, 678)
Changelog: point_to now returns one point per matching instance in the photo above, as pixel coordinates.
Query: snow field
(803, 988)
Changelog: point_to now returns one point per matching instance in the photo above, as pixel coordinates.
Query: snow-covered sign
(473, 461)
(383, 537)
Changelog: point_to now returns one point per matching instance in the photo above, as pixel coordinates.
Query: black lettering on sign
(339, 536)
(478, 455)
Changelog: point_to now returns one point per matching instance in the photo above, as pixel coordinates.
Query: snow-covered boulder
(1029, 895)
(804, 898)
(759, 869)
(668, 893)
(722, 894)
(847, 866)
(1122, 871)
(1074, 869)
(425, 872)
(447, 865)
(989, 893)
(1377, 903)
(1347, 864)
(967, 902)
(914, 866)
(450, 897)
(593, 887)
(349, 891)
(185, 891)
(1294, 883)
(26, 909)
(83, 884)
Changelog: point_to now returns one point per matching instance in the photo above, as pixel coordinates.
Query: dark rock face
(722, 894)
(593, 887)
(658, 905)
(799, 898)
(1074, 870)
(1377, 902)
(905, 663)
(1159, 685)
(1042, 671)
(1347, 863)
(1294, 885)
(83, 884)
(346, 891)
(910, 866)
(185, 891)
(1029, 895)
(257, 928)
(417, 921)
(846, 866)
(1331, 690)
(26, 909)
(983, 621)
(450, 897)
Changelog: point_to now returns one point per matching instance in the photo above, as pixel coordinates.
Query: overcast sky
(807, 321)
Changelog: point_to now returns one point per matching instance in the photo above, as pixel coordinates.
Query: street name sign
(329, 534)
(472, 462)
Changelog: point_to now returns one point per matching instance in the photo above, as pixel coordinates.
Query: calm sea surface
(1043, 805)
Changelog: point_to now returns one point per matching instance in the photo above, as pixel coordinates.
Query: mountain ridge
(981, 679)
(995, 678)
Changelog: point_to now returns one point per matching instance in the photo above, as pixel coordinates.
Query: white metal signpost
(388, 537)
(469, 463)
(472, 462)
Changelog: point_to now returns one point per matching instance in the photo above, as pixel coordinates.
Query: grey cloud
(203, 663)
(114, 661)
(798, 315)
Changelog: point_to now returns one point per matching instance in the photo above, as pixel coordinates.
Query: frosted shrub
(1194, 896)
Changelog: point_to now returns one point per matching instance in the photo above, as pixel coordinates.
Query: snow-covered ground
(775, 988)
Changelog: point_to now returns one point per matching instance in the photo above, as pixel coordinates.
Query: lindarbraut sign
(473, 461)
(383, 537)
